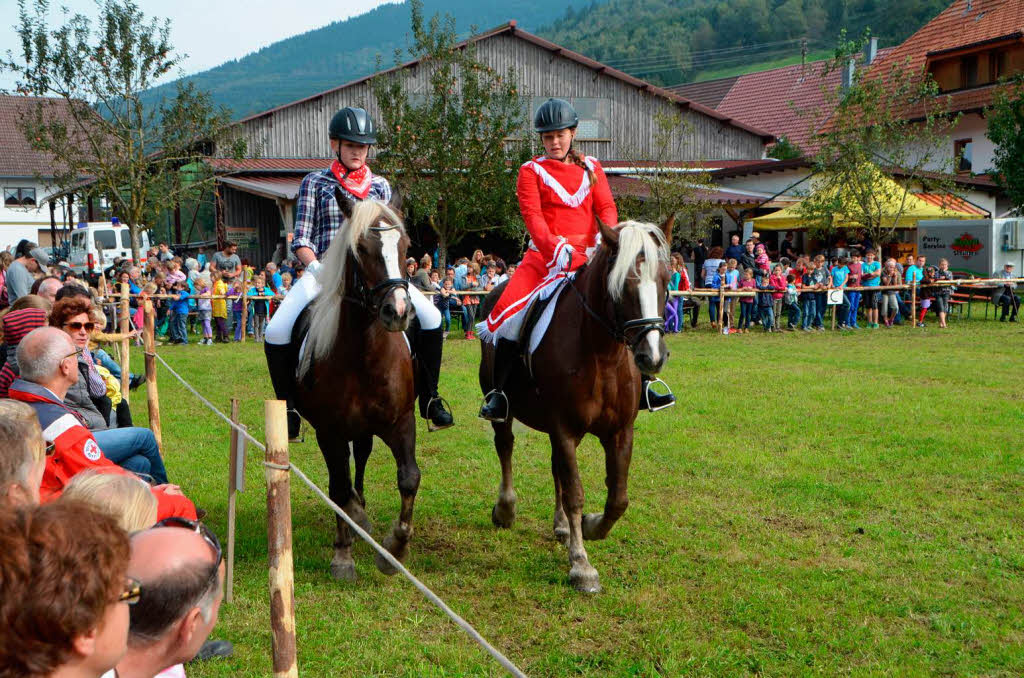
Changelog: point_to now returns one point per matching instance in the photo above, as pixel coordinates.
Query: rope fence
(280, 464)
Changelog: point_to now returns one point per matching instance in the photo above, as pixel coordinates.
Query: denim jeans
(446, 318)
(767, 317)
(237, 317)
(854, 298)
(793, 311)
(747, 311)
(104, 359)
(808, 303)
(134, 449)
(713, 309)
(820, 303)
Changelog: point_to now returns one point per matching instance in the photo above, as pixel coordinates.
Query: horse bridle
(371, 298)
(621, 332)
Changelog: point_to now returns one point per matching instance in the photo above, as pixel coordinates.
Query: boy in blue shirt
(840, 273)
(179, 307)
(871, 272)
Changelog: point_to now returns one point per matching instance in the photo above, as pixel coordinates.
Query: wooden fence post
(721, 307)
(149, 345)
(279, 542)
(236, 483)
(245, 304)
(125, 343)
(913, 304)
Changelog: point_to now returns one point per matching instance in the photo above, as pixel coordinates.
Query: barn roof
(510, 28)
(17, 157)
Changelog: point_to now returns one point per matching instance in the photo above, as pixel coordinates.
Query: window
(962, 155)
(19, 197)
(969, 71)
(997, 65)
(126, 239)
(105, 239)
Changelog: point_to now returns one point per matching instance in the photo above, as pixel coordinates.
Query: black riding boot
(282, 361)
(430, 344)
(496, 406)
(651, 400)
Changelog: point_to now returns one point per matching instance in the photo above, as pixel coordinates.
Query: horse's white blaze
(389, 248)
(649, 307)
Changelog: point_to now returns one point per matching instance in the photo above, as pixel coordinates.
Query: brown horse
(607, 327)
(356, 375)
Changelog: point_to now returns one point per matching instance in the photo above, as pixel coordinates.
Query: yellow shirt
(220, 306)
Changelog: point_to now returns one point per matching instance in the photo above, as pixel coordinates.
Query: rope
(365, 536)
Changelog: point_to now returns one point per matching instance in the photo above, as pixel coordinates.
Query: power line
(708, 52)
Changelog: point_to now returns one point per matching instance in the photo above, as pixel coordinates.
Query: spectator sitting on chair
(48, 371)
(1005, 296)
(64, 596)
(22, 455)
(179, 566)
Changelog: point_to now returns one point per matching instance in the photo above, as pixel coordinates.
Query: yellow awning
(915, 209)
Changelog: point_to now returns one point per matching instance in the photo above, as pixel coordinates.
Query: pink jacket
(778, 283)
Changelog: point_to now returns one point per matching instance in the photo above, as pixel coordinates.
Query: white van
(94, 245)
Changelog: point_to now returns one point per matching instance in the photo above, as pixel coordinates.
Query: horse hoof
(562, 535)
(591, 526)
(584, 579)
(503, 515)
(343, 570)
(391, 544)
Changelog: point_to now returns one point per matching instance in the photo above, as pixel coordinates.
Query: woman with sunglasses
(132, 448)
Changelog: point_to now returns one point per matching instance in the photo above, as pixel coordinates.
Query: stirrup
(301, 437)
(650, 391)
(431, 426)
(487, 396)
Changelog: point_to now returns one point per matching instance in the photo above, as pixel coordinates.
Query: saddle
(536, 319)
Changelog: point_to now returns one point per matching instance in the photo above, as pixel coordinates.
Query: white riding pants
(279, 330)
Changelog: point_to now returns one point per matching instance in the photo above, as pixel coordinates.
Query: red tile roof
(557, 50)
(790, 101)
(951, 202)
(268, 164)
(17, 159)
(964, 24)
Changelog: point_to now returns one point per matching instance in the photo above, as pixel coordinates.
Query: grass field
(816, 504)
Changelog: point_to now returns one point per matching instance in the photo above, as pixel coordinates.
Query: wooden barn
(618, 116)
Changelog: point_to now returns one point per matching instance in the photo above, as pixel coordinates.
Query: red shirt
(558, 202)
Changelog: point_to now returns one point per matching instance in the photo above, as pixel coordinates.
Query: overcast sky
(209, 31)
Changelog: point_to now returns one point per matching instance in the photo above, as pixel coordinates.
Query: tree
(1006, 131)
(450, 149)
(668, 189)
(784, 149)
(130, 154)
(886, 137)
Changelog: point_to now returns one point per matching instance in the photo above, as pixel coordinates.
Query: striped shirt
(317, 215)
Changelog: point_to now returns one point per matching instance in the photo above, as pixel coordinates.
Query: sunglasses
(132, 591)
(89, 327)
(77, 352)
(199, 528)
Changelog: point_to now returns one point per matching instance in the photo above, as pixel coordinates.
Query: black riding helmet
(353, 124)
(555, 114)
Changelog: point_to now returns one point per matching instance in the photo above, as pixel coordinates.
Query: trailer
(978, 247)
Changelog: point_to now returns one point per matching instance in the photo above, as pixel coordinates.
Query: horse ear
(396, 201)
(344, 204)
(609, 236)
(666, 228)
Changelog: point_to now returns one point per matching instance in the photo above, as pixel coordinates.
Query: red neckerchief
(357, 182)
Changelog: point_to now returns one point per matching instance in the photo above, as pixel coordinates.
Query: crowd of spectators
(97, 574)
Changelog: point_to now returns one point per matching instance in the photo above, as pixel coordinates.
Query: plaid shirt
(317, 216)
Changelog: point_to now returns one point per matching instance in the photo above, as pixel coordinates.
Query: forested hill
(669, 42)
(330, 56)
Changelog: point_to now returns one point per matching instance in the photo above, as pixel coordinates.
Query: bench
(968, 296)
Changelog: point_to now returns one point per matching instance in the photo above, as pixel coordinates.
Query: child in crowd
(286, 284)
(220, 306)
(944, 292)
(854, 280)
(471, 301)
(747, 306)
(673, 322)
(447, 301)
(840, 273)
(715, 282)
(732, 282)
(235, 290)
(926, 293)
(777, 282)
(890, 298)
(762, 257)
(808, 294)
(791, 300)
(204, 306)
(259, 306)
(820, 279)
(870, 276)
(179, 310)
(765, 312)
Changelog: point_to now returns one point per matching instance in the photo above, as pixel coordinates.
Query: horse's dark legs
(582, 574)
(561, 523)
(618, 451)
(504, 512)
(361, 448)
(402, 441)
(336, 453)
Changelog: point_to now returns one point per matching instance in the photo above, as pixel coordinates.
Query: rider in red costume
(560, 194)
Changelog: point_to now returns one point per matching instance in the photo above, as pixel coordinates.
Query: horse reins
(621, 334)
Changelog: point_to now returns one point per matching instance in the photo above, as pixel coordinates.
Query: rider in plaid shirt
(317, 220)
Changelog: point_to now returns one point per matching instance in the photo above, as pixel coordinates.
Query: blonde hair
(124, 497)
(21, 442)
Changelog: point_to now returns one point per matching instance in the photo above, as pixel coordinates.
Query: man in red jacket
(48, 363)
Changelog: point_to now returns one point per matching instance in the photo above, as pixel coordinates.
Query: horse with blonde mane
(355, 377)
(606, 329)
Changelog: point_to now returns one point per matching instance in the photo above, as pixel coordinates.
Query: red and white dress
(559, 206)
